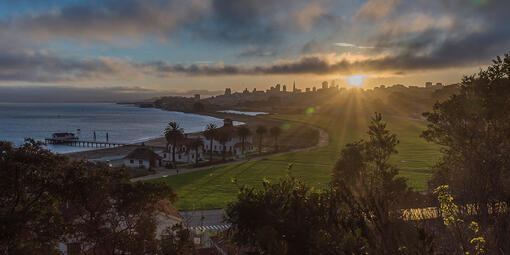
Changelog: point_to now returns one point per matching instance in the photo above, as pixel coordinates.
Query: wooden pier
(80, 143)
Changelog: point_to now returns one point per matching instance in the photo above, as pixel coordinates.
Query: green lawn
(214, 189)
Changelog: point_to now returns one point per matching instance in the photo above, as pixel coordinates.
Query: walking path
(323, 141)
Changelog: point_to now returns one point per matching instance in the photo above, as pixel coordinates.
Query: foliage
(223, 136)
(288, 217)
(275, 133)
(210, 133)
(48, 199)
(243, 132)
(173, 133)
(176, 240)
(261, 130)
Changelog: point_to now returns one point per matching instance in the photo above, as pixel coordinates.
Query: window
(131, 161)
(179, 156)
(140, 162)
(192, 155)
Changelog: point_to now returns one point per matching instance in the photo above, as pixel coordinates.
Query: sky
(153, 47)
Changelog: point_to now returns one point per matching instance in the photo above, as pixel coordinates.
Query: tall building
(277, 88)
(314, 89)
(324, 85)
(228, 92)
(428, 84)
(294, 87)
(284, 88)
(307, 89)
(197, 96)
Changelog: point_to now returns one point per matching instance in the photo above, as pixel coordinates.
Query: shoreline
(154, 143)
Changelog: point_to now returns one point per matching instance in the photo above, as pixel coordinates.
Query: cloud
(41, 66)
(112, 19)
(256, 51)
(342, 44)
(96, 94)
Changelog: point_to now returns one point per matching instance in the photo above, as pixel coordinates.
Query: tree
(176, 240)
(275, 133)
(210, 133)
(243, 132)
(173, 134)
(288, 217)
(30, 222)
(48, 198)
(195, 145)
(473, 128)
(261, 130)
(363, 171)
(223, 137)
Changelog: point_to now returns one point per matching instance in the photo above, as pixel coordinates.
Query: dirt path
(323, 141)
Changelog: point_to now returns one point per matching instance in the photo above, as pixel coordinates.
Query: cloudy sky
(179, 46)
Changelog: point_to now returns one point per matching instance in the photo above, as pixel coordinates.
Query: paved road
(323, 141)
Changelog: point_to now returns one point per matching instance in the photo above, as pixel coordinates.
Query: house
(64, 137)
(233, 146)
(185, 151)
(142, 157)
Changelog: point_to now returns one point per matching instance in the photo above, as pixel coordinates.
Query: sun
(356, 80)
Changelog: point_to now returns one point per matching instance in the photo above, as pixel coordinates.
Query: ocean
(123, 123)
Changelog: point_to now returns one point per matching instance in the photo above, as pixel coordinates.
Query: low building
(233, 146)
(185, 151)
(142, 157)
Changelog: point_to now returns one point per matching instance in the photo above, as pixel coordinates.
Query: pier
(79, 143)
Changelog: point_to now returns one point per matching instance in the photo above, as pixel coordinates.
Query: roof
(62, 134)
(143, 153)
(166, 207)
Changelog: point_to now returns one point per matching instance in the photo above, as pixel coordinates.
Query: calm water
(124, 123)
(243, 113)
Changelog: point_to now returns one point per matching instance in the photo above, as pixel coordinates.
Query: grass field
(214, 189)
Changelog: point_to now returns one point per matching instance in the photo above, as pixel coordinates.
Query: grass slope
(214, 189)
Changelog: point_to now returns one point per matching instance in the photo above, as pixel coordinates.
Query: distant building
(142, 157)
(307, 89)
(284, 88)
(228, 92)
(184, 152)
(324, 85)
(277, 88)
(314, 89)
(233, 147)
(246, 91)
(197, 96)
(428, 84)
(439, 84)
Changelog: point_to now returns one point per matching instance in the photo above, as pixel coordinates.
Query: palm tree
(223, 137)
(261, 130)
(173, 134)
(275, 132)
(243, 132)
(210, 133)
(195, 145)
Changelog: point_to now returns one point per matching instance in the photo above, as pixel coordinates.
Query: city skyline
(187, 46)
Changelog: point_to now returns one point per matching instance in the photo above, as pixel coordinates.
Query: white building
(142, 157)
(233, 147)
(185, 152)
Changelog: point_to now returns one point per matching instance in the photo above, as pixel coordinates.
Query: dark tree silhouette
(195, 145)
(173, 134)
(210, 133)
(261, 131)
(243, 132)
(275, 133)
(223, 137)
